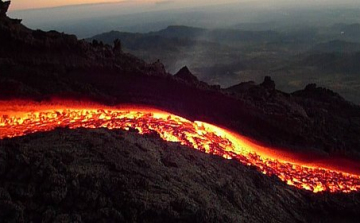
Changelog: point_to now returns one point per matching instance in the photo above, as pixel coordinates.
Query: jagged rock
(242, 87)
(185, 74)
(117, 46)
(319, 93)
(268, 83)
(4, 6)
(310, 87)
(158, 69)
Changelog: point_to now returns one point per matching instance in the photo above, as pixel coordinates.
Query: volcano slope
(102, 176)
(39, 65)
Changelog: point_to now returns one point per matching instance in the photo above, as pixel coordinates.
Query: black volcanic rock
(268, 83)
(185, 74)
(4, 6)
(159, 68)
(117, 46)
(266, 97)
(116, 176)
(319, 93)
(242, 87)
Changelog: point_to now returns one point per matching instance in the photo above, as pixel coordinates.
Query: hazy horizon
(93, 18)
(251, 38)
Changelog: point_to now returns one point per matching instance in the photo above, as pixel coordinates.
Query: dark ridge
(185, 74)
(268, 83)
(319, 94)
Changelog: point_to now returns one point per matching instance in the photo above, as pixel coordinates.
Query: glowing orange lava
(19, 118)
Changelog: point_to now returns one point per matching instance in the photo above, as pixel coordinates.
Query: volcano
(91, 133)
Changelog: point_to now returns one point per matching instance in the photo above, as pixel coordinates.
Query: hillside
(102, 175)
(42, 65)
(226, 56)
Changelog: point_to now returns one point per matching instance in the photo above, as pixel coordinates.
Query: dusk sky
(26, 4)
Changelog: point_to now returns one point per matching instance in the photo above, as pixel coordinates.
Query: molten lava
(18, 118)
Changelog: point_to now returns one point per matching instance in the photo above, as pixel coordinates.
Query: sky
(26, 4)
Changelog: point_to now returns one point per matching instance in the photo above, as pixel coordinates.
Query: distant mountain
(174, 52)
(254, 26)
(184, 32)
(219, 35)
(226, 56)
(138, 41)
(223, 36)
(336, 46)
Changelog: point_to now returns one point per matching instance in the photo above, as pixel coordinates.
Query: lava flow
(20, 118)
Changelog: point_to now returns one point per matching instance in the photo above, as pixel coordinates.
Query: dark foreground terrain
(115, 176)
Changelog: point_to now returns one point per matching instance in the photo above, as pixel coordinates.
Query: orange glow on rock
(19, 118)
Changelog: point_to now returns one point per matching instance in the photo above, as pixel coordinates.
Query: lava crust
(19, 119)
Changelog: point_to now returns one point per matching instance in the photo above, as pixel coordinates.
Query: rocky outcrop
(158, 69)
(243, 87)
(268, 83)
(185, 74)
(268, 98)
(319, 94)
(117, 46)
(4, 6)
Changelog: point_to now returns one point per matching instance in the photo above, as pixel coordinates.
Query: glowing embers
(17, 121)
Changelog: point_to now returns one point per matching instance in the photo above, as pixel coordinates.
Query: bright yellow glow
(19, 118)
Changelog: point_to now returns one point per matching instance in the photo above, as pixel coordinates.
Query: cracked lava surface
(18, 118)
